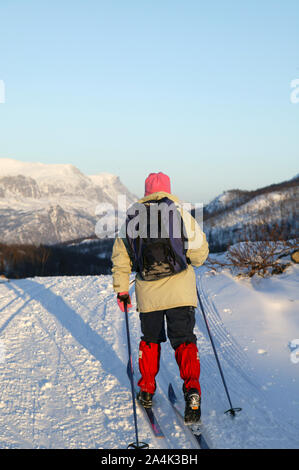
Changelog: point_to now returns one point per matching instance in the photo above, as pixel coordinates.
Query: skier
(165, 289)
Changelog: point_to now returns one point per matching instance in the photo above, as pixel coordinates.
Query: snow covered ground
(63, 359)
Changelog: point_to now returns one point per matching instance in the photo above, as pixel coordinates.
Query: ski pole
(232, 411)
(137, 444)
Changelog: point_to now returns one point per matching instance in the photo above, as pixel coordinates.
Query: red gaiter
(149, 359)
(188, 361)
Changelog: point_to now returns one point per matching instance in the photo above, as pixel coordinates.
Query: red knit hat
(157, 182)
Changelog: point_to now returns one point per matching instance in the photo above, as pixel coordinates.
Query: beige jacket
(169, 292)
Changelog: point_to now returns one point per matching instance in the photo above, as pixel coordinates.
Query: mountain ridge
(52, 203)
(237, 215)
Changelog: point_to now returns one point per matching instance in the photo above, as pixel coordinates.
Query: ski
(196, 429)
(148, 412)
(153, 421)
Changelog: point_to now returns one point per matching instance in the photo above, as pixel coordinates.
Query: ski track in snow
(64, 382)
(256, 426)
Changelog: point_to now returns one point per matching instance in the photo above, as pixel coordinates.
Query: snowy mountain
(237, 215)
(47, 203)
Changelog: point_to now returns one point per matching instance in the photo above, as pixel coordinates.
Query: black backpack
(155, 239)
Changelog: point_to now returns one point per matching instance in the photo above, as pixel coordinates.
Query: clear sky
(197, 89)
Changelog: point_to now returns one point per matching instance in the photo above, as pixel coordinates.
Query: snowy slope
(43, 173)
(112, 186)
(64, 383)
(238, 215)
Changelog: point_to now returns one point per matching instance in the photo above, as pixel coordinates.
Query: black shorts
(180, 324)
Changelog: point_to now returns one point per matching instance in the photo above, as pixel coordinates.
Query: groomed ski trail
(64, 381)
(256, 426)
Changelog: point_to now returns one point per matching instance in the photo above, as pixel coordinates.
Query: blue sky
(197, 89)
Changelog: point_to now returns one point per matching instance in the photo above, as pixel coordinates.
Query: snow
(66, 176)
(112, 187)
(103, 178)
(50, 203)
(63, 374)
(251, 210)
(42, 172)
(11, 167)
(219, 202)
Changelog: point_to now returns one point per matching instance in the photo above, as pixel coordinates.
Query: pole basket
(233, 411)
(138, 445)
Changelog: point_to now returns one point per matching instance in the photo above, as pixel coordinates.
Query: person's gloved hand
(122, 299)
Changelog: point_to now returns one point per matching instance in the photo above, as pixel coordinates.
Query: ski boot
(145, 399)
(192, 409)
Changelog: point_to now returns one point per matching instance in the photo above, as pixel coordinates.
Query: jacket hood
(159, 195)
